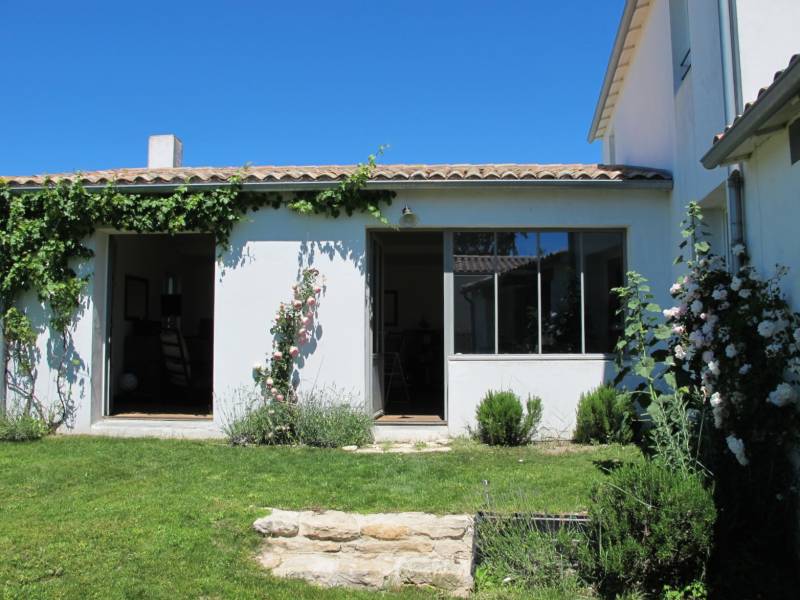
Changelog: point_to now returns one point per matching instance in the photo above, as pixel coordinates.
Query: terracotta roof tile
(382, 173)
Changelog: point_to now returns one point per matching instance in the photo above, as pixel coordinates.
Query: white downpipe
(735, 200)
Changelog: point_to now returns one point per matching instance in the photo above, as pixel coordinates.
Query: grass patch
(89, 517)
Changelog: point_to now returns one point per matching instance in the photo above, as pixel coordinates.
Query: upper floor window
(681, 50)
(794, 141)
(530, 292)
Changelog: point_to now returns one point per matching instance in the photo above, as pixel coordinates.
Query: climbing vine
(43, 235)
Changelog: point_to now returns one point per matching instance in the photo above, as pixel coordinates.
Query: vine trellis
(43, 236)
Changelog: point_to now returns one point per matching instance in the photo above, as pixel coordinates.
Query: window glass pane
(602, 270)
(517, 318)
(561, 302)
(473, 292)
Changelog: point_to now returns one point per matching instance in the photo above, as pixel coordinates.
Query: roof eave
(752, 122)
(265, 186)
(613, 62)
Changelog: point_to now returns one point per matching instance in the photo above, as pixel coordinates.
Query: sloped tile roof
(762, 93)
(332, 173)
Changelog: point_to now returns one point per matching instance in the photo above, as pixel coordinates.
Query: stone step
(375, 551)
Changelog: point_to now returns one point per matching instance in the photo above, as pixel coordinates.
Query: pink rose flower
(274, 391)
(317, 290)
(279, 397)
(294, 351)
(311, 301)
(277, 355)
(297, 304)
(270, 383)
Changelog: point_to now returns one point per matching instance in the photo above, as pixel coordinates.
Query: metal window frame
(449, 289)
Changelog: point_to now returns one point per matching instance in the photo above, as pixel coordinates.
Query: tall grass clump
(326, 418)
(517, 552)
(21, 427)
(329, 418)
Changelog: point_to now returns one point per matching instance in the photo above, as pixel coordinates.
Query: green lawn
(109, 518)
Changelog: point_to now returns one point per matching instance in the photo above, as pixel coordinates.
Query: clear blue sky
(85, 83)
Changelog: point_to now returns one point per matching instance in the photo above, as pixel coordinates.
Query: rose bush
(292, 328)
(738, 343)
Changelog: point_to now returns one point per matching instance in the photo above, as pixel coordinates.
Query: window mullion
(583, 295)
(496, 300)
(539, 287)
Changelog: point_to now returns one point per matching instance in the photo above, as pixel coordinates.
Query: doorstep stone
(329, 525)
(375, 551)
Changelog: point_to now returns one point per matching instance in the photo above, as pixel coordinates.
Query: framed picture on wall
(390, 308)
(137, 292)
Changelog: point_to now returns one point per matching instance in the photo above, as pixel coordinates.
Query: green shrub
(328, 419)
(20, 427)
(604, 416)
(501, 421)
(325, 419)
(261, 422)
(650, 527)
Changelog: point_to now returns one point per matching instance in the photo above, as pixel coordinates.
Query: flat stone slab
(372, 551)
(440, 445)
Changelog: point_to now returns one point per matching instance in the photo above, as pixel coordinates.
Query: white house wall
(772, 193)
(273, 246)
(270, 247)
(660, 124)
(643, 123)
(767, 38)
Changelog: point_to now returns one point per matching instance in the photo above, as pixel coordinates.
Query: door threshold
(160, 417)
(410, 419)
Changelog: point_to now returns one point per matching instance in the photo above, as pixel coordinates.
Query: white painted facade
(772, 193)
(270, 247)
(662, 121)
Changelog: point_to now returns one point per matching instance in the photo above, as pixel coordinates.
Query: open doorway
(407, 290)
(161, 320)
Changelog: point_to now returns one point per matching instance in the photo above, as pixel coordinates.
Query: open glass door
(376, 323)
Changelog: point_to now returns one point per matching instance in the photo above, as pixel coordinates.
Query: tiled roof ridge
(761, 93)
(331, 173)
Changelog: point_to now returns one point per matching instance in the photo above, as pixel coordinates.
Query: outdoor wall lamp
(407, 216)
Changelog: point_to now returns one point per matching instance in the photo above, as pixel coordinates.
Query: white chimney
(164, 152)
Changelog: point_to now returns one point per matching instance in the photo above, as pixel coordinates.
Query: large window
(533, 292)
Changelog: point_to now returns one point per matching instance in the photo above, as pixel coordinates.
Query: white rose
(696, 337)
(744, 369)
(744, 293)
(257, 367)
(719, 294)
(716, 399)
(736, 446)
(680, 353)
(782, 395)
(736, 284)
(730, 351)
(766, 328)
(671, 313)
(708, 356)
(713, 366)
(675, 288)
(738, 249)
(697, 307)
